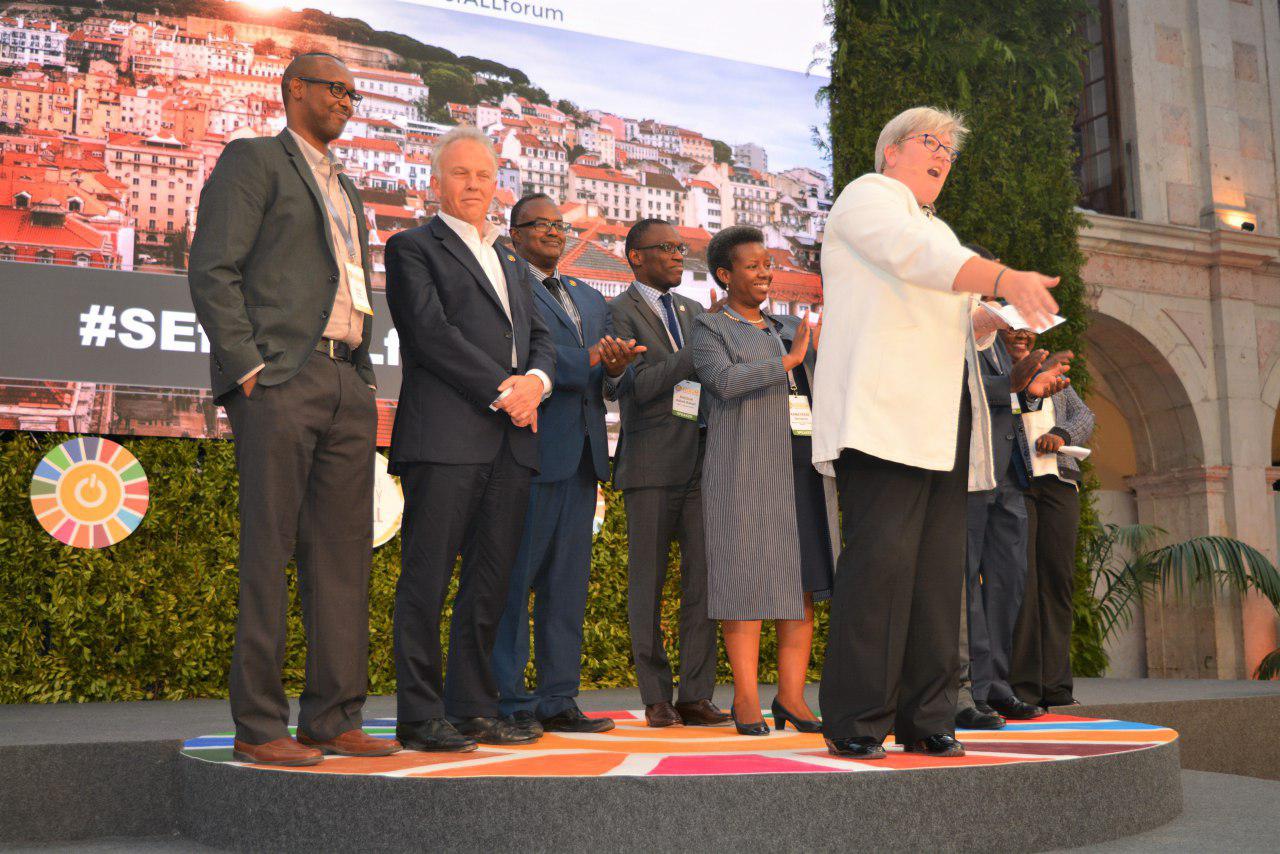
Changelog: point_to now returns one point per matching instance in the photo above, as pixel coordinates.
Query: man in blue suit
(573, 454)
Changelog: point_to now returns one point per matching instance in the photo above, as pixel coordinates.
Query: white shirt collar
(314, 156)
(468, 232)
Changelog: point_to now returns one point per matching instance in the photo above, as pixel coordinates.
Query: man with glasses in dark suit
(279, 277)
(573, 454)
(659, 470)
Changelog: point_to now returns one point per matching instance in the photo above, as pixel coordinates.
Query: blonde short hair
(458, 134)
(920, 120)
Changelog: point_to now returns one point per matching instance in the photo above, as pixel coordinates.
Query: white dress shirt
(896, 337)
(481, 246)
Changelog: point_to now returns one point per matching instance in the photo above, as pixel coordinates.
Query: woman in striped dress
(769, 516)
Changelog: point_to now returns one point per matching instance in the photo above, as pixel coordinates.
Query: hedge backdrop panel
(153, 617)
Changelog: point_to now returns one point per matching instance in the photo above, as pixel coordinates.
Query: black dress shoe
(433, 734)
(939, 744)
(573, 720)
(985, 709)
(1066, 701)
(856, 747)
(757, 728)
(701, 713)
(977, 719)
(781, 717)
(526, 722)
(495, 731)
(662, 715)
(1016, 710)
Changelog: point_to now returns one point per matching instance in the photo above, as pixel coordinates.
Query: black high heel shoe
(781, 717)
(757, 728)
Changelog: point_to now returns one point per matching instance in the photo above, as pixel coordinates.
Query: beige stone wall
(1198, 82)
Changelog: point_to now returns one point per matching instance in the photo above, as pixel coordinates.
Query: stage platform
(100, 771)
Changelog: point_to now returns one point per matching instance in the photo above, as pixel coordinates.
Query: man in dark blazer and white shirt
(279, 277)
(573, 452)
(478, 360)
(659, 470)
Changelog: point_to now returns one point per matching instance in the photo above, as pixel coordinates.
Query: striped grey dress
(754, 553)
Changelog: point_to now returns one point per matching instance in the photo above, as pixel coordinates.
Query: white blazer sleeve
(880, 224)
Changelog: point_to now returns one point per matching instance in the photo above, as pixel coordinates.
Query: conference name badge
(685, 400)
(801, 415)
(355, 286)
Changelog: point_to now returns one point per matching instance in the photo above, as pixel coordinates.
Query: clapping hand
(1026, 369)
(799, 345)
(1049, 382)
(615, 353)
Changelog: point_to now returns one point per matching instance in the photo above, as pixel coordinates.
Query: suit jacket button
(1009, 437)
(507, 334)
(324, 314)
(333, 277)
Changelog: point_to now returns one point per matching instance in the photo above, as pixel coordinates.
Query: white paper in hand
(1014, 319)
(1075, 452)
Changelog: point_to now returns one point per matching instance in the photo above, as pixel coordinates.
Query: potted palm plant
(1122, 566)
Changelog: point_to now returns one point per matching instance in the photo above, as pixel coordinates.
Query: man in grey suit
(659, 470)
(279, 277)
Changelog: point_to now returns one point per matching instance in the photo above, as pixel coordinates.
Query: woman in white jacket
(900, 419)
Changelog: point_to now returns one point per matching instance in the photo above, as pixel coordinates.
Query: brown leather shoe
(661, 714)
(701, 713)
(282, 751)
(353, 742)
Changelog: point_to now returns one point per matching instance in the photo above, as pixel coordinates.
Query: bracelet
(995, 290)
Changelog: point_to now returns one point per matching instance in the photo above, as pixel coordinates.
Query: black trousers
(656, 515)
(478, 511)
(892, 656)
(304, 451)
(1040, 670)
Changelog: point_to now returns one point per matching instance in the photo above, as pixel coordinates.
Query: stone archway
(1166, 476)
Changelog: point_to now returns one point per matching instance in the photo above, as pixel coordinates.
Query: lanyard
(340, 219)
(782, 347)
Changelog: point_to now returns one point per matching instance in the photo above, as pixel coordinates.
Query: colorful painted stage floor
(634, 750)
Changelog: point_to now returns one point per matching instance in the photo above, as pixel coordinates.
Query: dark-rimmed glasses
(337, 89)
(667, 248)
(932, 144)
(545, 225)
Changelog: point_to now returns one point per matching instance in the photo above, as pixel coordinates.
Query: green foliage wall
(1013, 70)
(153, 617)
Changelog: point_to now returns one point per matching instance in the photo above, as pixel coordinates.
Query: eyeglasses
(337, 89)
(545, 225)
(932, 143)
(668, 248)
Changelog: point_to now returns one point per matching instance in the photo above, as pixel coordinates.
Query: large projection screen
(112, 114)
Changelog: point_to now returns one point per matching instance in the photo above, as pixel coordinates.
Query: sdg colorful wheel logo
(89, 493)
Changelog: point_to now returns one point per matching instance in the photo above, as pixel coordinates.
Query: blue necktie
(673, 325)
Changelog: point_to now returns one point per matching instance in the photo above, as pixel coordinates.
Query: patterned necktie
(557, 289)
(673, 325)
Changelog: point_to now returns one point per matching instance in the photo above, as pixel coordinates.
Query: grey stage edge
(1000, 808)
(97, 770)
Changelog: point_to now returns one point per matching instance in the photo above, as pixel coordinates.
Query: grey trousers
(656, 515)
(995, 577)
(304, 451)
